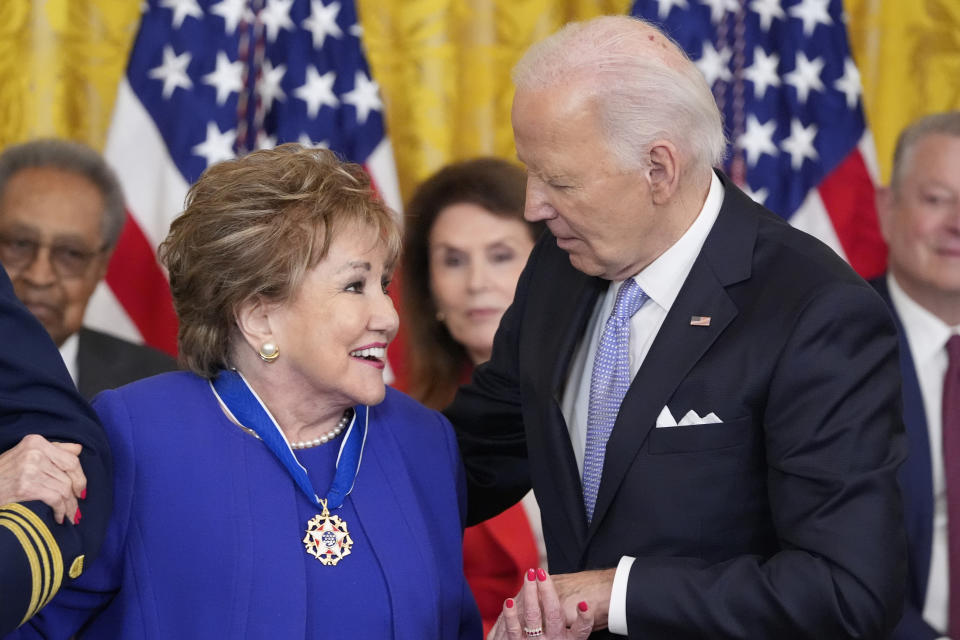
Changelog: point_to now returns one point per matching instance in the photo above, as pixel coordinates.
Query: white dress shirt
(68, 351)
(927, 336)
(661, 280)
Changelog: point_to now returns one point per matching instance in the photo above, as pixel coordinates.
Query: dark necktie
(951, 468)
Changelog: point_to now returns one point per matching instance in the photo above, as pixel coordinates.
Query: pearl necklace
(328, 436)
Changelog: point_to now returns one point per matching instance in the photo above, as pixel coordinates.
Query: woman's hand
(539, 614)
(37, 469)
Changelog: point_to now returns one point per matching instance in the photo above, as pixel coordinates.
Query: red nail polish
(582, 606)
(76, 517)
(541, 575)
(83, 494)
(531, 575)
(509, 603)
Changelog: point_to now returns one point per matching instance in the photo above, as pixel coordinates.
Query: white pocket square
(666, 419)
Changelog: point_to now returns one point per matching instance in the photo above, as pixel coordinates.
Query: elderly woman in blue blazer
(276, 489)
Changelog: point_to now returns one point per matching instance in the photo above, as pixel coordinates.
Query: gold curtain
(908, 54)
(60, 63)
(443, 66)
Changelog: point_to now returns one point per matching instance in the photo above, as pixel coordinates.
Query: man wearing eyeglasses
(61, 212)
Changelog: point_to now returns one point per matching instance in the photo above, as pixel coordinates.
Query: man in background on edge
(920, 219)
(61, 213)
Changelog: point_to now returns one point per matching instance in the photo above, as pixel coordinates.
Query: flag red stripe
(849, 197)
(140, 286)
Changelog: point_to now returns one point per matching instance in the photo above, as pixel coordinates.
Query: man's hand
(37, 469)
(593, 587)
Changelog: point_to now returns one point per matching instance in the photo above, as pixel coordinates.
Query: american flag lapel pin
(699, 321)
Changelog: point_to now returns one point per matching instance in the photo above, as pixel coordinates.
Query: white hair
(947, 124)
(644, 87)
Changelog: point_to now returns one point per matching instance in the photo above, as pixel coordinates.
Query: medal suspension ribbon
(249, 411)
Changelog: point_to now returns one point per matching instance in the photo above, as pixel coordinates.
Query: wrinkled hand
(593, 587)
(37, 469)
(537, 613)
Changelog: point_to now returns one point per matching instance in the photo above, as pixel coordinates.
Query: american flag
(782, 73)
(210, 79)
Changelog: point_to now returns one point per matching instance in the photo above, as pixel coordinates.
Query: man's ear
(663, 173)
(104, 263)
(253, 322)
(885, 211)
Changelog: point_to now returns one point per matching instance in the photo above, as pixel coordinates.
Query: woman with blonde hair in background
(466, 244)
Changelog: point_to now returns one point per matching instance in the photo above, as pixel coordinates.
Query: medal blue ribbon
(233, 391)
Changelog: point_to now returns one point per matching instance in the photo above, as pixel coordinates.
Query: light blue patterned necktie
(609, 382)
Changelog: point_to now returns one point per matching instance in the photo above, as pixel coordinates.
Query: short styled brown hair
(253, 227)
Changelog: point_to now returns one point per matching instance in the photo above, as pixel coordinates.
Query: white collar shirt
(69, 351)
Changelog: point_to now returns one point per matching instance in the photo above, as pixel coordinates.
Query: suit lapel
(726, 258)
(551, 454)
(915, 475)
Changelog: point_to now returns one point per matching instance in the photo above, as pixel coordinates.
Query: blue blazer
(204, 513)
(37, 396)
(916, 483)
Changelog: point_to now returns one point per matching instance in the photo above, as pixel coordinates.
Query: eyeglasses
(68, 260)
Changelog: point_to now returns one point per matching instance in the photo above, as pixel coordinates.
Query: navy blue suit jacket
(916, 482)
(38, 396)
(782, 522)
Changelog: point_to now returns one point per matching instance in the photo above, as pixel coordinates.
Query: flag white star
(265, 141)
(758, 139)
(181, 9)
(231, 11)
(719, 8)
(173, 71)
(799, 144)
(805, 76)
(317, 91)
(323, 22)
(767, 10)
(305, 141)
(713, 64)
(812, 13)
(759, 196)
(664, 7)
(226, 78)
(218, 146)
(276, 16)
(356, 30)
(849, 83)
(269, 86)
(763, 72)
(365, 96)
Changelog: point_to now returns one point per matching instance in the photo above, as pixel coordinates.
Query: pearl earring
(440, 316)
(269, 352)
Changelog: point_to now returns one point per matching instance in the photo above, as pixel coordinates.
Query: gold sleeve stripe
(44, 554)
(55, 556)
(31, 553)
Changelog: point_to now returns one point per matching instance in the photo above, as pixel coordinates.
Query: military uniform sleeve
(37, 396)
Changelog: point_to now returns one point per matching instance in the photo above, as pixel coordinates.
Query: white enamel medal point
(327, 539)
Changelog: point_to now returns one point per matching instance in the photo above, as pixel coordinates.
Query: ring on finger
(533, 633)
